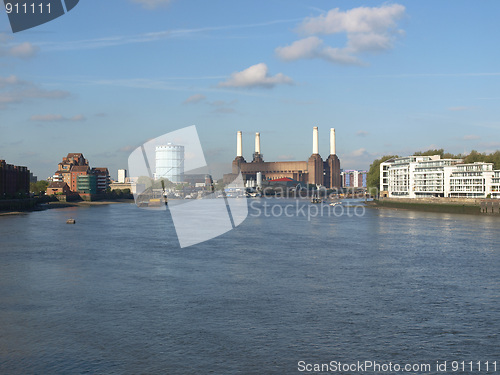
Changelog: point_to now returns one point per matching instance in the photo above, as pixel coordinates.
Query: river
(115, 294)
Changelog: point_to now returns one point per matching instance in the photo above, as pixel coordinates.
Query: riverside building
(14, 180)
(495, 185)
(315, 170)
(353, 179)
(431, 176)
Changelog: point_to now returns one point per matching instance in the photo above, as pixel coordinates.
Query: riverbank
(444, 205)
(22, 209)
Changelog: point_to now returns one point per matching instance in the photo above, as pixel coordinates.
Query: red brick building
(58, 188)
(74, 167)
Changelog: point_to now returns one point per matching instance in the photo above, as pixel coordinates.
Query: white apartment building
(431, 176)
(471, 180)
(397, 175)
(122, 176)
(495, 185)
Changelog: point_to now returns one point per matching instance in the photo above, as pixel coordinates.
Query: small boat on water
(316, 200)
(335, 203)
(71, 221)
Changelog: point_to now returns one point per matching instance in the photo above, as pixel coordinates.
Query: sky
(390, 77)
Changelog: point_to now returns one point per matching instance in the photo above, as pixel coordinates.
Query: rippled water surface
(115, 294)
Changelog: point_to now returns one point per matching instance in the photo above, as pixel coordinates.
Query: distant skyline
(390, 77)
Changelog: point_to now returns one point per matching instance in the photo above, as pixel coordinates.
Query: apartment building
(471, 180)
(495, 184)
(14, 180)
(431, 176)
(102, 179)
(353, 179)
(75, 171)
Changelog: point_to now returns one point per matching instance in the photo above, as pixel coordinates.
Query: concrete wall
(451, 205)
(466, 201)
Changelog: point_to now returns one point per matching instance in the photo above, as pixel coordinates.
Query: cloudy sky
(391, 77)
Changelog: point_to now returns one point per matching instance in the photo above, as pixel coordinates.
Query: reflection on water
(116, 294)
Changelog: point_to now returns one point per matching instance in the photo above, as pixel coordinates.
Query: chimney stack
(315, 140)
(257, 143)
(239, 145)
(332, 142)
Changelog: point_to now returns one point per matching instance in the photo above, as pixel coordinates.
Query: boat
(335, 203)
(316, 200)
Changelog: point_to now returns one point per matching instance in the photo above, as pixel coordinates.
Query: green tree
(473, 157)
(430, 153)
(146, 181)
(39, 186)
(220, 184)
(373, 176)
(180, 187)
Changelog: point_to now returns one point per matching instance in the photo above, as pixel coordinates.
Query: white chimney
(239, 145)
(332, 142)
(257, 143)
(315, 140)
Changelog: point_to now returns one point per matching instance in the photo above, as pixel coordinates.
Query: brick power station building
(315, 170)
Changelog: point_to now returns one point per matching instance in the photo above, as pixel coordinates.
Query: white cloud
(15, 90)
(127, 148)
(77, 118)
(370, 42)
(10, 81)
(313, 47)
(46, 118)
(456, 109)
(471, 137)
(56, 118)
(339, 56)
(256, 76)
(193, 99)
(220, 103)
(367, 30)
(306, 48)
(362, 133)
(118, 40)
(358, 153)
(224, 110)
(357, 20)
(152, 4)
(23, 50)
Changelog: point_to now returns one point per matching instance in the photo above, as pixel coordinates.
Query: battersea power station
(313, 171)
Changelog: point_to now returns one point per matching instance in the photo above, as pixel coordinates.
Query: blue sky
(391, 77)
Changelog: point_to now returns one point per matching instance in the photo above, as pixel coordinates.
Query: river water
(115, 294)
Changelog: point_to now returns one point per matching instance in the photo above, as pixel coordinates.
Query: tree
(373, 176)
(220, 185)
(146, 181)
(439, 152)
(473, 157)
(39, 186)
